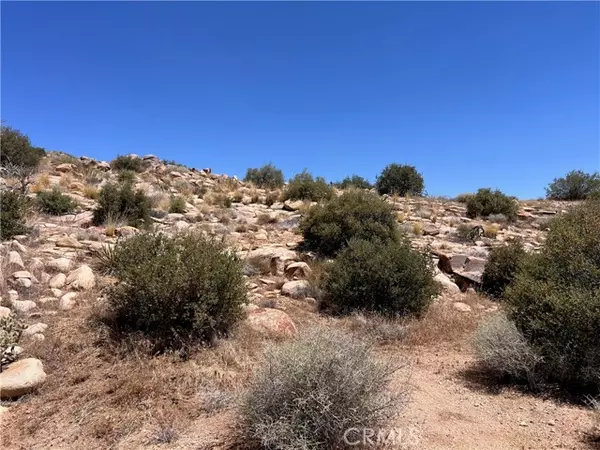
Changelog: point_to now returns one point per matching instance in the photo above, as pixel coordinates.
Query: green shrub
(311, 390)
(401, 180)
(16, 149)
(126, 176)
(502, 349)
(268, 176)
(555, 299)
(13, 209)
(122, 162)
(355, 181)
(304, 187)
(120, 200)
(11, 328)
(463, 198)
(177, 204)
(56, 203)
(486, 202)
(576, 185)
(188, 288)
(501, 268)
(328, 227)
(388, 278)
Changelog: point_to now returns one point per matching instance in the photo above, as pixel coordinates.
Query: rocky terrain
(65, 390)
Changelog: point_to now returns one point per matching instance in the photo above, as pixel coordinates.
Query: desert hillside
(73, 382)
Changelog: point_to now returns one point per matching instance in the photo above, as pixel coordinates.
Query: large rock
(67, 301)
(267, 260)
(291, 205)
(58, 281)
(34, 329)
(82, 278)
(65, 168)
(68, 242)
(448, 285)
(60, 264)
(298, 270)
(23, 306)
(296, 289)
(271, 322)
(21, 377)
(15, 262)
(4, 311)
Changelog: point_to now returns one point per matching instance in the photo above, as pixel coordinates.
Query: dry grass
(99, 393)
(417, 228)
(41, 184)
(90, 191)
(443, 324)
(491, 231)
(264, 219)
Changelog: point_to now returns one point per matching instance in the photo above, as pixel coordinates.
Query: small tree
(328, 227)
(355, 181)
(576, 185)
(401, 180)
(304, 187)
(267, 176)
(486, 202)
(19, 159)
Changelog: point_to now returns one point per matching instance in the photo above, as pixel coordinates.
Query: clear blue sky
(474, 95)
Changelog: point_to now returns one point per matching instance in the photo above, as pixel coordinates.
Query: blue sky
(502, 95)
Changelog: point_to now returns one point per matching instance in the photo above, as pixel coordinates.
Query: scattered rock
(68, 242)
(448, 285)
(21, 274)
(67, 301)
(21, 377)
(82, 278)
(267, 260)
(15, 262)
(60, 264)
(4, 311)
(298, 269)
(23, 306)
(58, 281)
(34, 329)
(291, 205)
(65, 168)
(296, 289)
(269, 321)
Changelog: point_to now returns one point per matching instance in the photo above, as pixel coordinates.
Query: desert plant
(126, 176)
(463, 198)
(501, 348)
(501, 268)
(328, 227)
(267, 176)
(11, 328)
(388, 278)
(355, 181)
(555, 298)
(311, 390)
(120, 200)
(90, 192)
(401, 180)
(123, 162)
(304, 187)
(271, 198)
(576, 185)
(188, 288)
(56, 203)
(486, 202)
(13, 209)
(104, 259)
(177, 204)
(264, 219)
(490, 231)
(18, 158)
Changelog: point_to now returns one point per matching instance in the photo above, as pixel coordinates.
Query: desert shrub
(501, 268)
(11, 328)
(132, 163)
(13, 209)
(188, 288)
(401, 180)
(576, 185)
(388, 278)
(490, 231)
(267, 176)
(271, 198)
(16, 149)
(309, 391)
(56, 203)
(120, 200)
(500, 219)
(502, 349)
(486, 202)
(463, 198)
(304, 187)
(555, 298)
(177, 204)
(264, 219)
(126, 176)
(355, 181)
(328, 227)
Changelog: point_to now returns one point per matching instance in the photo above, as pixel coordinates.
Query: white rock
(269, 321)
(4, 311)
(298, 269)
(23, 306)
(21, 274)
(56, 292)
(23, 282)
(82, 278)
(13, 296)
(447, 284)
(34, 329)
(15, 261)
(60, 264)
(58, 281)
(462, 307)
(67, 301)
(21, 377)
(296, 289)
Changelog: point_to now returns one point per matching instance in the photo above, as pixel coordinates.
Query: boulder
(58, 281)
(67, 301)
(268, 259)
(21, 274)
(65, 168)
(36, 328)
(448, 285)
(298, 269)
(82, 278)
(60, 264)
(15, 262)
(291, 205)
(296, 289)
(4, 311)
(21, 377)
(23, 306)
(267, 321)
(68, 242)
